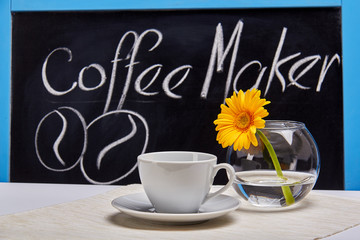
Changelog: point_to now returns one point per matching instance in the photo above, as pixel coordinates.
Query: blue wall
(5, 27)
(351, 54)
(351, 51)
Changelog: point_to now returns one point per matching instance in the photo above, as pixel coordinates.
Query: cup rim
(145, 157)
(283, 124)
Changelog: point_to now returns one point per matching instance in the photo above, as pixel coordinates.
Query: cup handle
(231, 177)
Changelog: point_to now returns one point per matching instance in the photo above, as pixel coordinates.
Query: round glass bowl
(259, 183)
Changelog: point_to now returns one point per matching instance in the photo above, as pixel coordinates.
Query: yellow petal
(231, 104)
(253, 129)
(253, 139)
(243, 138)
(241, 99)
(261, 112)
(225, 109)
(223, 127)
(226, 116)
(239, 143)
(223, 121)
(231, 138)
(223, 135)
(259, 122)
(247, 142)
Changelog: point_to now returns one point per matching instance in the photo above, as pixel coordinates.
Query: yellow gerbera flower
(238, 121)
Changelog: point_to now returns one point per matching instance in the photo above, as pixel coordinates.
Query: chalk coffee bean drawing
(134, 131)
(47, 143)
(49, 154)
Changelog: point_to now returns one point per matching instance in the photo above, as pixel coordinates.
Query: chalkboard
(91, 90)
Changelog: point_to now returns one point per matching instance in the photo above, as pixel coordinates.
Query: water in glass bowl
(264, 188)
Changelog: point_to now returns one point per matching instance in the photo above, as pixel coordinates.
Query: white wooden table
(22, 197)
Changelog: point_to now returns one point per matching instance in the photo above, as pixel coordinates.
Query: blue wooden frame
(351, 51)
(41, 5)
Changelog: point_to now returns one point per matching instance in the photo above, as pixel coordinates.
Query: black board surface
(91, 90)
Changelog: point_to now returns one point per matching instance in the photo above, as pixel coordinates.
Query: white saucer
(138, 205)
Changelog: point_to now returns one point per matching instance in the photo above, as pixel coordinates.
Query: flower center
(243, 120)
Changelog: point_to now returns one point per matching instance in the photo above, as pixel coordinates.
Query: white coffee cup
(180, 182)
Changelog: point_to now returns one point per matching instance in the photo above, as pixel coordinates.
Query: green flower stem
(285, 189)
